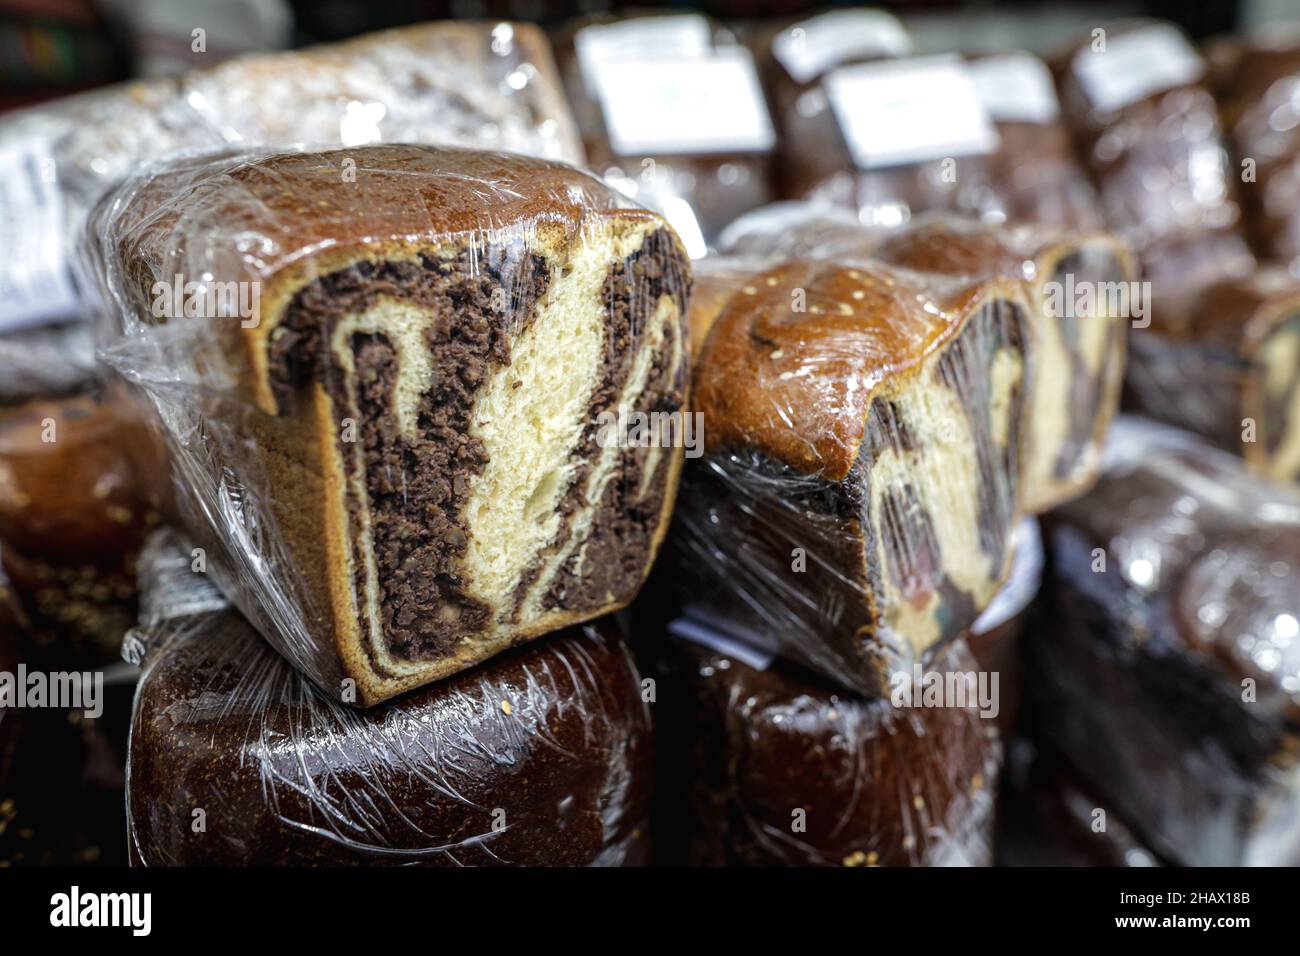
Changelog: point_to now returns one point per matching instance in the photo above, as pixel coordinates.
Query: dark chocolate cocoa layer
(417, 486)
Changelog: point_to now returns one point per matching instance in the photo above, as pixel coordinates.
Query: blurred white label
(909, 111)
(641, 37)
(1015, 88)
(808, 49)
(35, 280)
(711, 104)
(1135, 65)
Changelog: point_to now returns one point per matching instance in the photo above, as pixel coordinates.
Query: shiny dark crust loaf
(1078, 355)
(1047, 818)
(862, 460)
(425, 392)
(1187, 227)
(541, 757)
(877, 786)
(811, 148)
(1228, 369)
(72, 517)
(1036, 177)
(717, 186)
(1169, 679)
(1259, 104)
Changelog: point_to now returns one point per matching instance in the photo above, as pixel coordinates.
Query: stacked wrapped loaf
(1167, 673)
(397, 462)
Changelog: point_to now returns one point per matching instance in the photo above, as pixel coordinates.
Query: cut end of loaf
(941, 460)
(1273, 403)
(1079, 365)
(468, 386)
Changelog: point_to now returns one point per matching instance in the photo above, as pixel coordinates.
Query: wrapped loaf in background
(1259, 95)
(404, 456)
(488, 85)
(541, 757)
(1150, 135)
(1228, 369)
(1167, 671)
(672, 114)
(1078, 345)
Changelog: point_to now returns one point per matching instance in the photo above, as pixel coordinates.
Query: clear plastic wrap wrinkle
(1167, 672)
(485, 85)
(389, 382)
(793, 772)
(541, 757)
(860, 477)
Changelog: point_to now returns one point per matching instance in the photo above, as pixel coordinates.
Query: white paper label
(808, 49)
(710, 104)
(1135, 65)
(899, 112)
(35, 280)
(1015, 88)
(640, 38)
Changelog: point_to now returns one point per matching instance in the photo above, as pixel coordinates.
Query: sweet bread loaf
(406, 461)
(72, 517)
(1227, 368)
(540, 757)
(860, 480)
(1166, 673)
(1150, 136)
(1078, 344)
(1257, 97)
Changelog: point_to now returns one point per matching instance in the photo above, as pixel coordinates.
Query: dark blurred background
(50, 48)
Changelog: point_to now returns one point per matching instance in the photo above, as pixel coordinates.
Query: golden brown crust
(794, 358)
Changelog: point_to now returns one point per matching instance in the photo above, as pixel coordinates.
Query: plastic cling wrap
(399, 388)
(1077, 283)
(672, 114)
(72, 516)
(541, 757)
(899, 137)
(1033, 171)
(483, 85)
(1168, 674)
(1228, 368)
(1150, 134)
(1260, 100)
(860, 477)
(791, 771)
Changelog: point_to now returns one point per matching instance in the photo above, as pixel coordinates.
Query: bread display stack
(475, 465)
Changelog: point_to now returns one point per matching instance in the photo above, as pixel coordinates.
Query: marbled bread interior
(440, 342)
